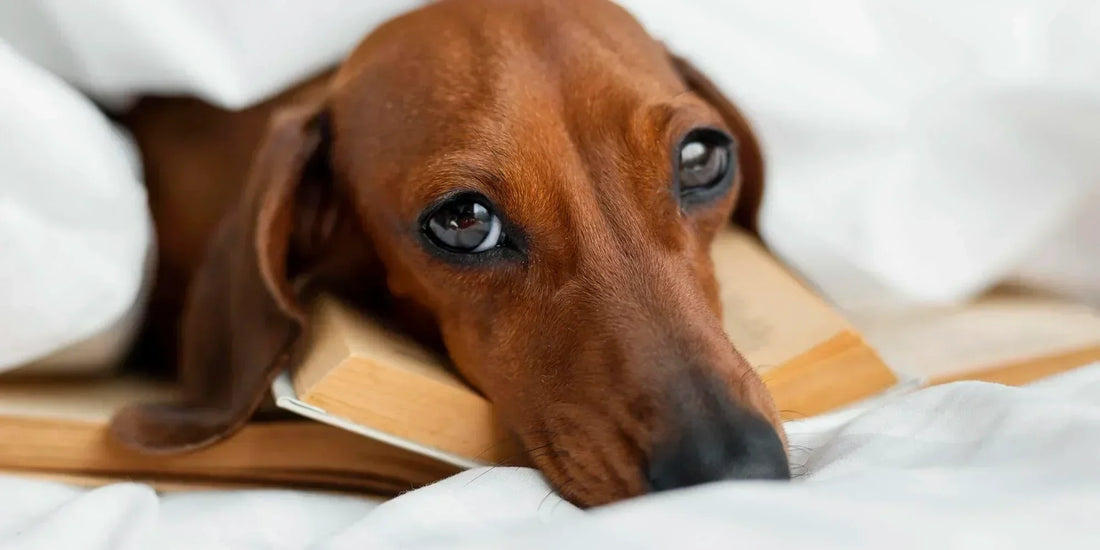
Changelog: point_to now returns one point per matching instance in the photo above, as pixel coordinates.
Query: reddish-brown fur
(565, 113)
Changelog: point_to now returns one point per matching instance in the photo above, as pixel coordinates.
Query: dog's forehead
(440, 75)
(458, 57)
(452, 30)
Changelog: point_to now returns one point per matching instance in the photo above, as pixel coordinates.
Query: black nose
(717, 443)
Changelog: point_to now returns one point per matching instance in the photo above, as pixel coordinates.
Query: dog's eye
(464, 224)
(705, 163)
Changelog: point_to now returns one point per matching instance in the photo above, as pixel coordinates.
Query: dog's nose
(734, 445)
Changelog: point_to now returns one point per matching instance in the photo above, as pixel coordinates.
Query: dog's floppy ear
(242, 317)
(749, 156)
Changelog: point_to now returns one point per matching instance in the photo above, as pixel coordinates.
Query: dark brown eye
(705, 162)
(465, 225)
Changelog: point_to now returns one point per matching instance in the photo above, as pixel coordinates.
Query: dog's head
(538, 181)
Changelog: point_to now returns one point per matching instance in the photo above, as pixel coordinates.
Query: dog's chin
(586, 457)
(589, 481)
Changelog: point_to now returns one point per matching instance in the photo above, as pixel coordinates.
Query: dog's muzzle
(711, 438)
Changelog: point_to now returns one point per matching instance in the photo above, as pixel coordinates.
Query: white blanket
(918, 151)
(75, 232)
(968, 465)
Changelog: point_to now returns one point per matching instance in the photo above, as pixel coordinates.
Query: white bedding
(918, 152)
(971, 123)
(968, 465)
(76, 236)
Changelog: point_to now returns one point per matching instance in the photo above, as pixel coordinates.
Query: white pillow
(75, 232)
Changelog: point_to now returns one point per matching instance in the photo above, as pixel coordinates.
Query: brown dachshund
(534, 184)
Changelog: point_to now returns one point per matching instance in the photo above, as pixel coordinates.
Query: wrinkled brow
(462, 171)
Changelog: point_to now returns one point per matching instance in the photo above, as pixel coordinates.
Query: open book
(1009, 337)
(59, 430)
(421, 423)
(363, 377)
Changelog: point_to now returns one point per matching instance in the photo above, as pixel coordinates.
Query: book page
(768, 313)
(368, 339)
(89, 400)
(993, 332)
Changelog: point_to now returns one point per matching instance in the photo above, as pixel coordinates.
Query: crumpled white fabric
(76, 246)
(966, 465)
(918, 152)
(50, 516)
(75, 233)
(233, 54)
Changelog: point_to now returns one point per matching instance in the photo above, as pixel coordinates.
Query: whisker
(746, 374)
(558, 504)
(552, 492)
(519, 436)
(543, 501)
(506, 461)
(491, 467)
(799, 470)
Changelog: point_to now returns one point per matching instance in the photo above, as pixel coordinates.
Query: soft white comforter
(968, 465)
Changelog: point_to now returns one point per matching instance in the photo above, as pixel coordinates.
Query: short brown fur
(564, 113)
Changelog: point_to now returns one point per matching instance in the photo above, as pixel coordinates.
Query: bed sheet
(966, 465)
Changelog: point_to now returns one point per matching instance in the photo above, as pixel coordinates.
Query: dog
(532, 184)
